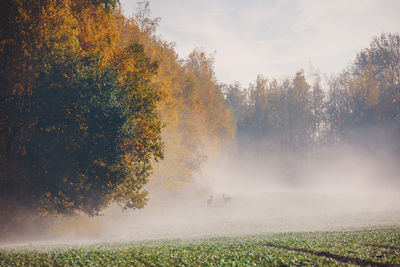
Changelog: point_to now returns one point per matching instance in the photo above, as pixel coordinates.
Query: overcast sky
(273, 37)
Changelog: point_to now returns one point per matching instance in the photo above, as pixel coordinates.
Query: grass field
(364, 248)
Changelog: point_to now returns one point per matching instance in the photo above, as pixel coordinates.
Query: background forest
(95, 105)
(308, 117)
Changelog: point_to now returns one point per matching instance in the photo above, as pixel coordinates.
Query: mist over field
(342, 189)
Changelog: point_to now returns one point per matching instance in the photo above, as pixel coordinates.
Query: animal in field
(210, 200)
(226, 198)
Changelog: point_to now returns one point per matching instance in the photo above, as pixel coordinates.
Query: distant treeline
(359, 107)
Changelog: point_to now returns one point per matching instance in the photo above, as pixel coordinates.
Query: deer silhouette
(210, 200)
(226, 198)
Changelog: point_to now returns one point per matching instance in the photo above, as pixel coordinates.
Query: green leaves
(77, 140)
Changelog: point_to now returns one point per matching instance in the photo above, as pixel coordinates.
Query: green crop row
(368, 247)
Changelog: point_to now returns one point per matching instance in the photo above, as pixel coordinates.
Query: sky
(274, 38)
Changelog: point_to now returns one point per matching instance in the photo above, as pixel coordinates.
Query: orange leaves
(97, 31)
(365, 88)
(57, 27)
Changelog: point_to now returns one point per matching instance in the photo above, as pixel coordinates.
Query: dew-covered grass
(362, 247)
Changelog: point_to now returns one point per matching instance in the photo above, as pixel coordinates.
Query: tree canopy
(79, 124)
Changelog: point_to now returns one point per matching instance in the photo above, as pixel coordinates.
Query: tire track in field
(339, 258)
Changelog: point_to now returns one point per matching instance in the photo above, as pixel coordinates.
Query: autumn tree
(363, 106)
(192, 108)
(79, 125)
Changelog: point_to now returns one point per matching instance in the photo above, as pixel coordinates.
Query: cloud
(274, 38)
